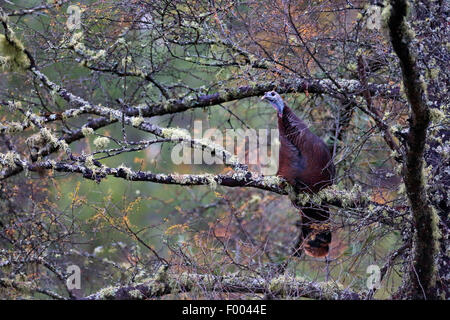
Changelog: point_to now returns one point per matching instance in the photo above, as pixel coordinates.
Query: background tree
(90, 113)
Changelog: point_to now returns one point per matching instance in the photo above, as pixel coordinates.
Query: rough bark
(282, 286)
(422, 271)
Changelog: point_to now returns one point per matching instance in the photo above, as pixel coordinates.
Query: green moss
(329, 290)
(185, 279)
(24, 287)
(435, 229)
(278, 284)
(76, 38)
(437, 116)
(434, 73)
(107, 293)
(385, 15)
(136, 294)
(282, 285)
(12, 55)
(157, 288)
(161, 274)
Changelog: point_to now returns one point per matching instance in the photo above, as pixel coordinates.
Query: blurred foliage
(113, 229)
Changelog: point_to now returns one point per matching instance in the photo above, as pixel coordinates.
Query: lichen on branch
(12, 52)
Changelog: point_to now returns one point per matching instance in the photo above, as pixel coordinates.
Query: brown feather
(306, 163)
(304, 160)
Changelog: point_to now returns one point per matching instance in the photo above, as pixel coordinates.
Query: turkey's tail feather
(315, 232)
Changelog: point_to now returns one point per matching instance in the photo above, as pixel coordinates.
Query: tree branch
(422, 273)
(241, 178)
(40, 8)
(27, 286)
(281, 286)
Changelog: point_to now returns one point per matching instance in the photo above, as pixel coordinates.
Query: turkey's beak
(265, 97)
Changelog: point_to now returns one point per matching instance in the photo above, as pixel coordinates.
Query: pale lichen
(86, 131)
(271, 181)
(175, 133)
(76, 38)
(101, 142)
(136, 121)
(89, 163)
(283, 285)
(12, 55)
(128, 171)
(14, 127)
(107, 293)
(9, 159)
(161, 274)
(437, 116)
(211, 181)
(136, 294)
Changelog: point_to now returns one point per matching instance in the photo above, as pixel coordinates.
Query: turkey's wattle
(306, 163)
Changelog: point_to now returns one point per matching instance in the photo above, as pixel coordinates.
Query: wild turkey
(306, 163)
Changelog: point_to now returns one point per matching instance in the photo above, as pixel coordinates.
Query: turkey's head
(275, 99)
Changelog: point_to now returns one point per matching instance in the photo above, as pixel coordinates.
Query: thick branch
(422, 274)
(242, 178)
(313, 86)
(279, 287)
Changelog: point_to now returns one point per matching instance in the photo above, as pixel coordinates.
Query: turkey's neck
(290, 125)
